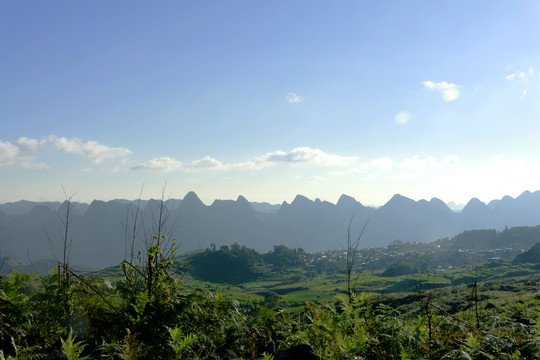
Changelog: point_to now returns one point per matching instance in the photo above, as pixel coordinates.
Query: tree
(150, 288)
(351, 257)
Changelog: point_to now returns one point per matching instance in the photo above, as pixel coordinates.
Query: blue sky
(269, 99)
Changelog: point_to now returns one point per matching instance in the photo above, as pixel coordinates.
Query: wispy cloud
(298, 155)
(22, 155)
(31, 145)
(374, 165)
(381, 163)
(168, 164)
(292, 98)
(8, 153)
(92, 150)
(207, 162)
(518, 74)
(306, 154)
(249, 165)
(450, 91)
(165, 164)
(26, 150)
(521, 78)
(417, 162)
(8, 150)
(402, 117)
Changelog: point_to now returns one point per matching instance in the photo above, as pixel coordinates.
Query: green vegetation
(530, 256)
(234, 303)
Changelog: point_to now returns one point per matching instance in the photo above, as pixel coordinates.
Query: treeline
(237, 264)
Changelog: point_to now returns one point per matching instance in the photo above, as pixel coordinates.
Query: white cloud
(381, 163)
(93, 150)
(451, 160)
(514, 75)
(207, 162)
(168, 164)
(292, 98)
(306, 154)
(523, 77)
(32, 145)
(375, 164)
(510, 77)
(23, 153)
(402, 117)
(165, 164)
(439, 86)
(450, 91)
(518, 74)
(12, 155)
(298, 155)
(417, 163)
(427, 163)
(28, 164)
(8, 151)
(249, 165)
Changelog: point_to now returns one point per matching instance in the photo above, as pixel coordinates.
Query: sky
(269, 99)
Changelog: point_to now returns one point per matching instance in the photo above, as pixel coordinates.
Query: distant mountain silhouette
(102, 231)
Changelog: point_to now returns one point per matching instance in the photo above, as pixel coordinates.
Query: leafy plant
(179, 343)
(132, 348)
(71, 348)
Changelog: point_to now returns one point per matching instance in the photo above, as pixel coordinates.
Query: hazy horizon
(451, 204)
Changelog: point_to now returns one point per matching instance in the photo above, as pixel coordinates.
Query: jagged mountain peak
(474, 202)
(505, 201)
(525, 194)
(346, 201)
(218, 203)
(439, 204)
(474, 206)
(242, 200)
(301, 200)
(399, 200)
(528, 197)
(191, 199)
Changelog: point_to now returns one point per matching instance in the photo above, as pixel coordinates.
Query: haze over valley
(100, 231)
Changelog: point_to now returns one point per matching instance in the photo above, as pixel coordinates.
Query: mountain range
(100, 232)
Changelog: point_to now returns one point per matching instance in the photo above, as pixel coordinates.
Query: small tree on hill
(353, 244)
